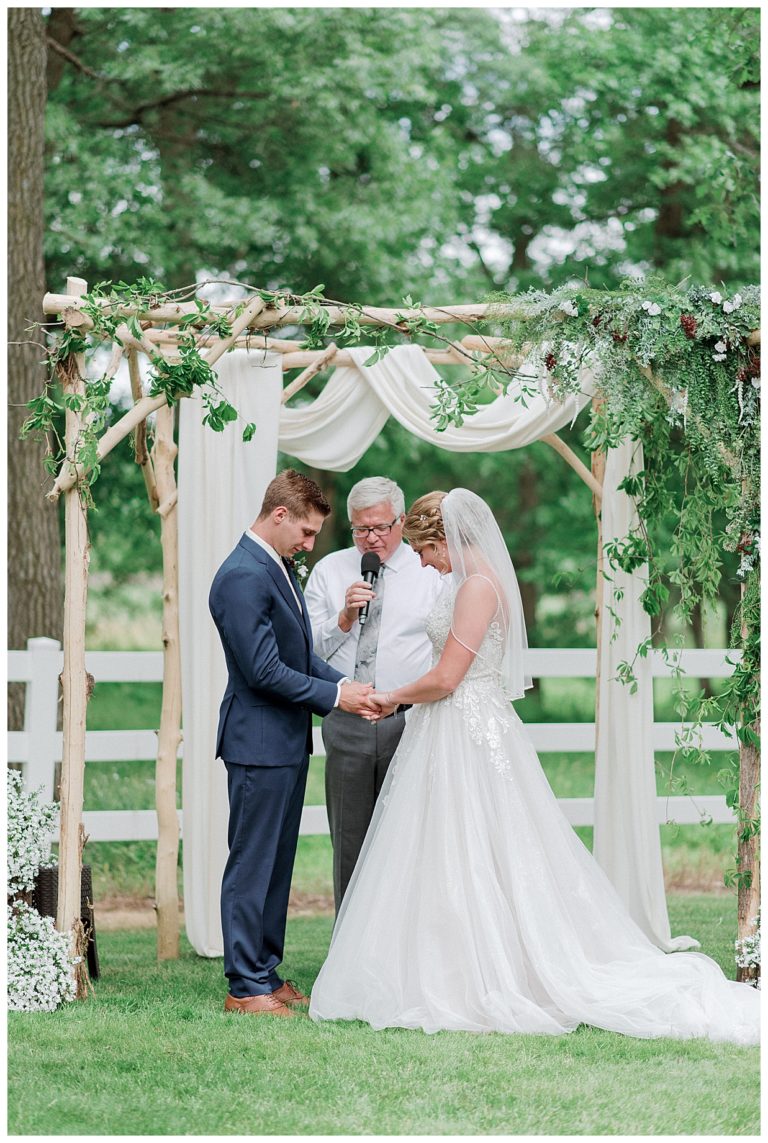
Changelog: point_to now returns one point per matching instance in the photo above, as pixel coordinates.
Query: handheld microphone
(369, 569)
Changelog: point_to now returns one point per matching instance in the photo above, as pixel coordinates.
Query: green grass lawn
(153, 1053)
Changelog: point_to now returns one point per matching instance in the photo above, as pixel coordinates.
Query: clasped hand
(360, 698)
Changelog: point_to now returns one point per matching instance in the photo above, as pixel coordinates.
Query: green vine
(676, 370)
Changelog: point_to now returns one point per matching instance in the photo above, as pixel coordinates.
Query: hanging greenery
(676, 368)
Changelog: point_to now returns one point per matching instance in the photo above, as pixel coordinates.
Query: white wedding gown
(475, 907)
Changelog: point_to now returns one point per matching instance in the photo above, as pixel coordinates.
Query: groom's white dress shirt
(404, 651)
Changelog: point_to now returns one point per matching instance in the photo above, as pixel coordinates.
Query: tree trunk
(35, 583)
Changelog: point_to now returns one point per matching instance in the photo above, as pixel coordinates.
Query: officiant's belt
(400, 710)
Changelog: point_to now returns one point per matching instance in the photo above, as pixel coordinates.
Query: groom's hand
(354, 699)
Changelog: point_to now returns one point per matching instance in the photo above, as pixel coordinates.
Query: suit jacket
(275, 679)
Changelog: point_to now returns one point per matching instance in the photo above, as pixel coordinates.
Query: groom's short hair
(297, 493)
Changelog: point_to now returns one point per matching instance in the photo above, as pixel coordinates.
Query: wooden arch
(158, 333)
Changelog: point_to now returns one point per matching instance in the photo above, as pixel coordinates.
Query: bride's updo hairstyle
(424, 521)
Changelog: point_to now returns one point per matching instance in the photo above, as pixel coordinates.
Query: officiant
(388, 648)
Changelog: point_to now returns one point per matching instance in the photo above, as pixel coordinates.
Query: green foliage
(675, 370)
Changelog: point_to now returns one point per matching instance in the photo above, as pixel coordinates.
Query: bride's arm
(476, 605)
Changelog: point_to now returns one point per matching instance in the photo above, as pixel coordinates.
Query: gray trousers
(358, 754)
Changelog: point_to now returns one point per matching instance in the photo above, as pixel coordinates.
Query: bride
(474, 906)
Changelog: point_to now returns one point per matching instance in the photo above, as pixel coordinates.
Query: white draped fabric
(626, 839)
(221, 486)
(220, 483)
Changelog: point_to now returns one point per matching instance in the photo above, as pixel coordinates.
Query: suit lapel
(279, 578)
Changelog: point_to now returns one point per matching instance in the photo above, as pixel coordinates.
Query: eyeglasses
(377, 529)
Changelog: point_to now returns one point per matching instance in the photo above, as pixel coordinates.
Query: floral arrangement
(30, 825)
(40, 975)
(748, 953)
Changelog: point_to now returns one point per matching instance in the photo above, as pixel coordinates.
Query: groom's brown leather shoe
(288, 993)
(267, 1005)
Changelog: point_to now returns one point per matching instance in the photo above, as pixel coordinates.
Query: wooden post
(166, 893)
(141, 455)
(74, 679)
(748, 859)
(598, 474)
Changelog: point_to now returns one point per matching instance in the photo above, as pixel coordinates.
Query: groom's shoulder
(244, 559)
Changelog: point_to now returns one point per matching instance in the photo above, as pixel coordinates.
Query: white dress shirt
(404, 652)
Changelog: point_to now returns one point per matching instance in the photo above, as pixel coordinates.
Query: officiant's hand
(355, 598)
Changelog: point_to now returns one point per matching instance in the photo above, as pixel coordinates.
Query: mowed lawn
(152, 1052)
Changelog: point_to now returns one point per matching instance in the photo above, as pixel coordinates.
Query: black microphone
(369, 569)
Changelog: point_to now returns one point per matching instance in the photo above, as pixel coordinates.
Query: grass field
(153, 1053)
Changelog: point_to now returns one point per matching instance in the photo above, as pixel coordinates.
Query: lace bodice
(487, 663)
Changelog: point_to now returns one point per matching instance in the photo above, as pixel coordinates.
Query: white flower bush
(30, 825)
(40, 974)
(748, 950)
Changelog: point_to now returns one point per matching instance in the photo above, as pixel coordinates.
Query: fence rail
(38, 747)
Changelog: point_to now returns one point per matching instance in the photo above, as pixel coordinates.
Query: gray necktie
(367, 645)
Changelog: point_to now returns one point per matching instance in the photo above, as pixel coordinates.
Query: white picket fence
(39, 746)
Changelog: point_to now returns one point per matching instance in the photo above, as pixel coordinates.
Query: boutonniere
(299, 569)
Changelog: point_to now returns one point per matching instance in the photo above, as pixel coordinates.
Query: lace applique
(486, 717)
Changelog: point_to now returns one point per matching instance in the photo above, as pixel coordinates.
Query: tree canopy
(387, 151)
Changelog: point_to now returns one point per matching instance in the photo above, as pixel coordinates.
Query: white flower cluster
(729, 307)
(721, 350)
(40, 974)
(30, 825)
(568, 307)
(653, 309)
(748, 950)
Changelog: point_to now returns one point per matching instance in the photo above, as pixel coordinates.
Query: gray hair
(374, 490)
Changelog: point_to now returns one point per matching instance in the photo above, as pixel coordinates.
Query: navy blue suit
(264, 737)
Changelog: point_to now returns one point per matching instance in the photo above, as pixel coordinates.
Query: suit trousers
(358, 754)
(265, 805)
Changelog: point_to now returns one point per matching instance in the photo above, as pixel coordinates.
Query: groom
(264, 737)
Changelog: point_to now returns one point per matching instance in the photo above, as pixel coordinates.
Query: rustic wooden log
(748, 844)
(327, 357)
(74, 678)
(271, 317)
(68, 473)
(246, 318)
(598, 474)
(748, 860)
(140, 451)
(167, 855)
(570, 457)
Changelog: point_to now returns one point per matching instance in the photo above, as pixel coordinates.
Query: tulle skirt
(475, 907)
